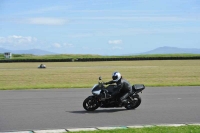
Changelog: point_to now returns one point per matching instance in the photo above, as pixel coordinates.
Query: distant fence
(100, 59)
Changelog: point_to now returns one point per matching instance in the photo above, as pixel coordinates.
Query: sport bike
(101, 97)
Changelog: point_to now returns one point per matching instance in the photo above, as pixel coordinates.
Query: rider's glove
(105, 83)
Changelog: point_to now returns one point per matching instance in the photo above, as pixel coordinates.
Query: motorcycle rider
(124, 88)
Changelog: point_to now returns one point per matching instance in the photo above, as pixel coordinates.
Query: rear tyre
(90, 104)
(132, 104)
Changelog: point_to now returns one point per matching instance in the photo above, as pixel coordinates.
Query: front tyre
(134, 102)
(90, 104)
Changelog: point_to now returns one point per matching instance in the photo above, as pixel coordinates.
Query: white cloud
(115, 41)
(68, 45)
(46, 21)
(56, 45)
(17, 40)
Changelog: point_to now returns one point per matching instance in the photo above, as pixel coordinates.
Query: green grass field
(182, 129)
(85, 74)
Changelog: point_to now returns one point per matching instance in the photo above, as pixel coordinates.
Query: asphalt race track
(24, 110)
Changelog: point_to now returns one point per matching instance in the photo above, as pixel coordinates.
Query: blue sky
(105, 27)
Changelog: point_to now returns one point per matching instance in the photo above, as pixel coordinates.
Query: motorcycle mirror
(100, 78)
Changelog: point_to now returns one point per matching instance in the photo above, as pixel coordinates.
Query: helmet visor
(114, 77)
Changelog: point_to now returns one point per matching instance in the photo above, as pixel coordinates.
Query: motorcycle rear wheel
(135, 103)
(90, 104)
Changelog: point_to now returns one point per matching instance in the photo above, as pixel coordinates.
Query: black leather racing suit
(124, 88)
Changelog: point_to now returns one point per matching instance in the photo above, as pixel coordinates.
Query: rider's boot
(122, 103)
(109, 96)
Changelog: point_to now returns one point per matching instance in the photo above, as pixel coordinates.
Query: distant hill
(173, 50)
(160, 50)
(30, 51)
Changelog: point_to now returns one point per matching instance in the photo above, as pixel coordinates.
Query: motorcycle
(101, 97)
(42, 66)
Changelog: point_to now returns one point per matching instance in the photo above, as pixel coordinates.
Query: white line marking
(81, 129)
(50, 131)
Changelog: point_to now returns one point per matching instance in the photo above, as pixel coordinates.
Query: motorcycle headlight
(96, 92)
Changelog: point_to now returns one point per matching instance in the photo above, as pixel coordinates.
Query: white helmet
(116, 76)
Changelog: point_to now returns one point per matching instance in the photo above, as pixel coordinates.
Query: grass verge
(181, 129)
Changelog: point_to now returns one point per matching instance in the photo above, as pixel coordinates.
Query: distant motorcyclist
(124, 88)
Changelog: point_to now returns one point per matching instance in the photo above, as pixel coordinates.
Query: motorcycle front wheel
(132, 104)
(90, 104)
